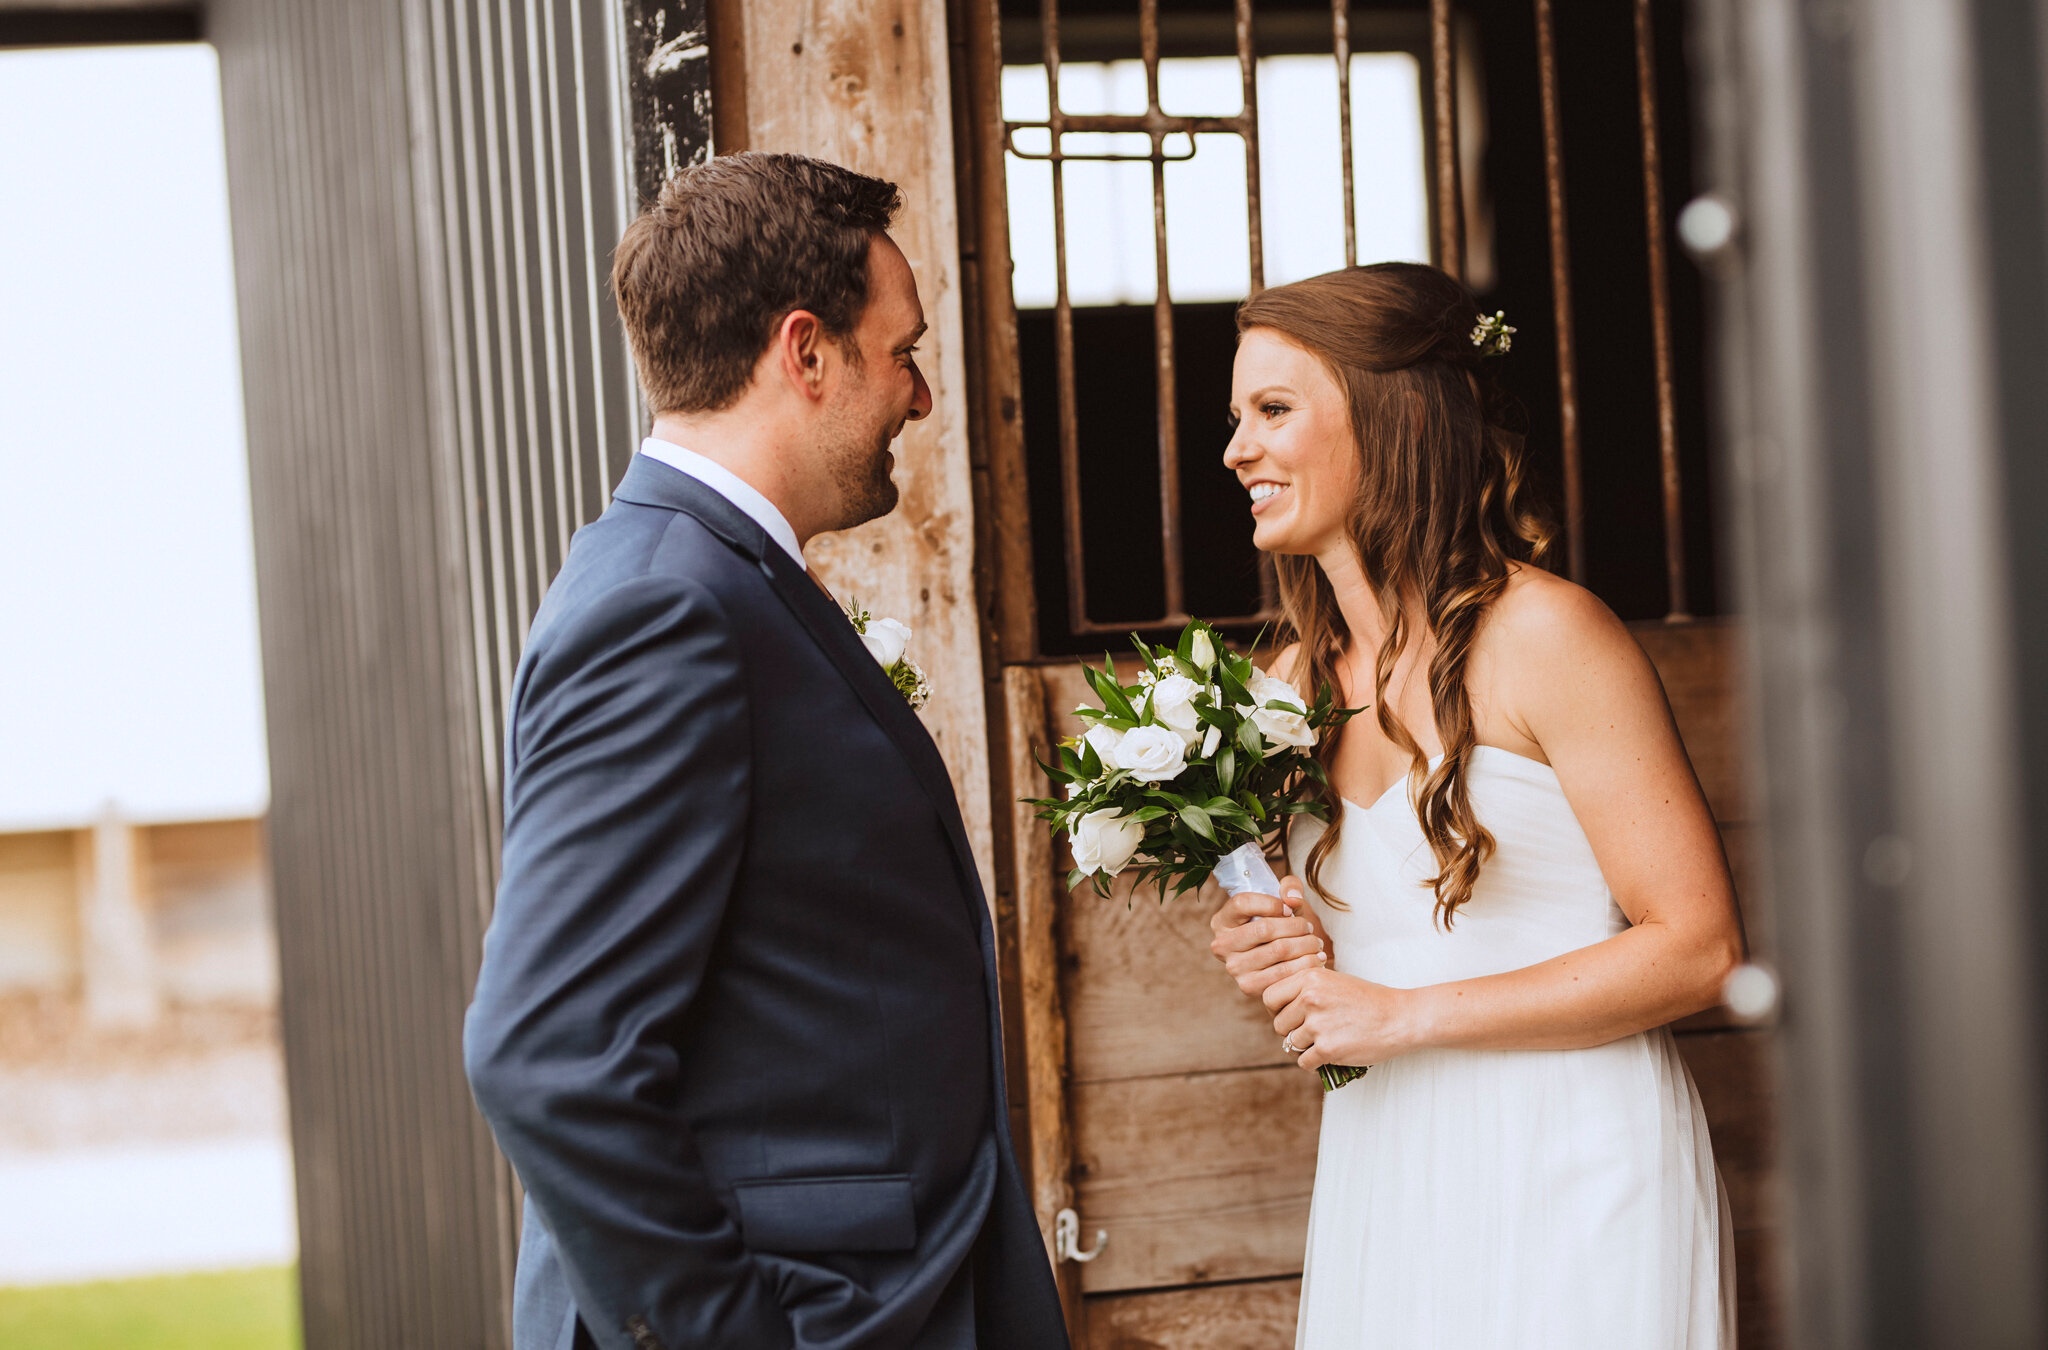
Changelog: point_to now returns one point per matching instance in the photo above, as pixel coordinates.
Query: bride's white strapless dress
(1504, 1199)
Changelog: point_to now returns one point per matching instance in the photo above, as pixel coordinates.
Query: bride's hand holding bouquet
(1189, 771)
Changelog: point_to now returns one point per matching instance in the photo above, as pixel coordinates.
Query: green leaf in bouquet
(1314, 769)
(1088, 764)
(1226, 768)
(1248, 737)
(1057, 773)
(1197, 819)
(1231, 685)
(1146, 814)
(1114, 701)
(1256, 807)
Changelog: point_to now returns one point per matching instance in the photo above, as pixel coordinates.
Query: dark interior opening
(1602, 153)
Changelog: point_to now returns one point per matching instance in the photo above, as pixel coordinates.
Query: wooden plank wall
(1193, 1137)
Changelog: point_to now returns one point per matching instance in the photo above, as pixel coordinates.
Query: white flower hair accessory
(1493, 336)
(888, 640)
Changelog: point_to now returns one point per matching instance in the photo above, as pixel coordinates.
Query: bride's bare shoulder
(1540, 608)
(1548, 639)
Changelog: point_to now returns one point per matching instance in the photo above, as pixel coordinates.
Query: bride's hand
(1261, 939)
(1340, 1019)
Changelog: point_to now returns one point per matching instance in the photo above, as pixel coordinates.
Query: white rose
(1105, 840)
(1152, 754)
(1105, 740)
(1278, 726)
(1202, 651)
(1210, 740)
(1173, 703)
(885, 641)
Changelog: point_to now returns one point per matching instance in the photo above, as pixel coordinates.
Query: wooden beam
(1042, 1012)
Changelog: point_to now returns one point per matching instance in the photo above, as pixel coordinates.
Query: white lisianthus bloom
(1105, 739)
(1202, 651)
(1152, 754)
(1278, 725)
(1210, 740)
(1104, 841)
(1173, 703)
(885, 640)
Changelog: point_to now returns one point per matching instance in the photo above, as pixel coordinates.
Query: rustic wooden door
(1172, 1144)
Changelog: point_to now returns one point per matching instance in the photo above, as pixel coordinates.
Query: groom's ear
(799, 352)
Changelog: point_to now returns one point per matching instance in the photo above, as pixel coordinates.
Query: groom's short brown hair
(727, 249)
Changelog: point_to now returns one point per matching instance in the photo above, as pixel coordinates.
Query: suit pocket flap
(828, 1214)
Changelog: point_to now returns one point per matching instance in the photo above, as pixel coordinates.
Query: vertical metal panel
(1871, 461)
(424, 194)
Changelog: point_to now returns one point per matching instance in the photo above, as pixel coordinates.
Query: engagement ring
(1289, 1046)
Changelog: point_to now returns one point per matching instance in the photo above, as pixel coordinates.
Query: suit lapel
(649, 482)
(833, 632)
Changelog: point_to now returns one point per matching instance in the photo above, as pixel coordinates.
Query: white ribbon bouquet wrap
(1188, 771)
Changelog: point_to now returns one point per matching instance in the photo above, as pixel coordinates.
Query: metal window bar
(1660, 316)
(1158, 127)
(1450, 200)
(1561, 298)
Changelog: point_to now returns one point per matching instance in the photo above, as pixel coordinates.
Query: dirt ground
(199, 1073)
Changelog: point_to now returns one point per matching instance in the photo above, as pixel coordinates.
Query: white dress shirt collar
(730, 486)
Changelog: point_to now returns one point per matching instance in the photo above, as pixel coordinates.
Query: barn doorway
(1144, 168)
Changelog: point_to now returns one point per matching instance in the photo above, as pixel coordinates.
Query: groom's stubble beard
(854, 446)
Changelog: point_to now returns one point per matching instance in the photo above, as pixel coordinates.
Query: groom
(736, 1024)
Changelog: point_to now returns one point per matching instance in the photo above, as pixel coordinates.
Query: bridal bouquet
(1187, 771)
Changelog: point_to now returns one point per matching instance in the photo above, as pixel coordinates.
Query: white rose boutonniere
(888, 640)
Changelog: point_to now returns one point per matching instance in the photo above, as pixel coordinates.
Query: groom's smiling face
(879, 389)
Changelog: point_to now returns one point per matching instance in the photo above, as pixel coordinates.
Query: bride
(1520, 883)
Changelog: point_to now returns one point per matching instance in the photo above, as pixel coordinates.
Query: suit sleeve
(625, 816)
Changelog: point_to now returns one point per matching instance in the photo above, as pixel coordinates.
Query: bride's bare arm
(1561, 674)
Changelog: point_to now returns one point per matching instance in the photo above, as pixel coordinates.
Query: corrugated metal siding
(425, 194)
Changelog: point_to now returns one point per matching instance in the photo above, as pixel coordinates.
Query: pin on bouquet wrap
(1188, 771)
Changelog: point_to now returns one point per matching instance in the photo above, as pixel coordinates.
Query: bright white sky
(1109, 205)
(128, 655)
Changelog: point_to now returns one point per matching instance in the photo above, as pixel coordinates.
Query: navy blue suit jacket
(736, 1025)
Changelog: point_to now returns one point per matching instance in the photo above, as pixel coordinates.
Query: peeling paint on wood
(668, 46)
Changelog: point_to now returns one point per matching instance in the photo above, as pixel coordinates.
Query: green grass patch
(234, 1310)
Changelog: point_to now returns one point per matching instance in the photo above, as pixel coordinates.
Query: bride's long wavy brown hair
(1442, 510)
